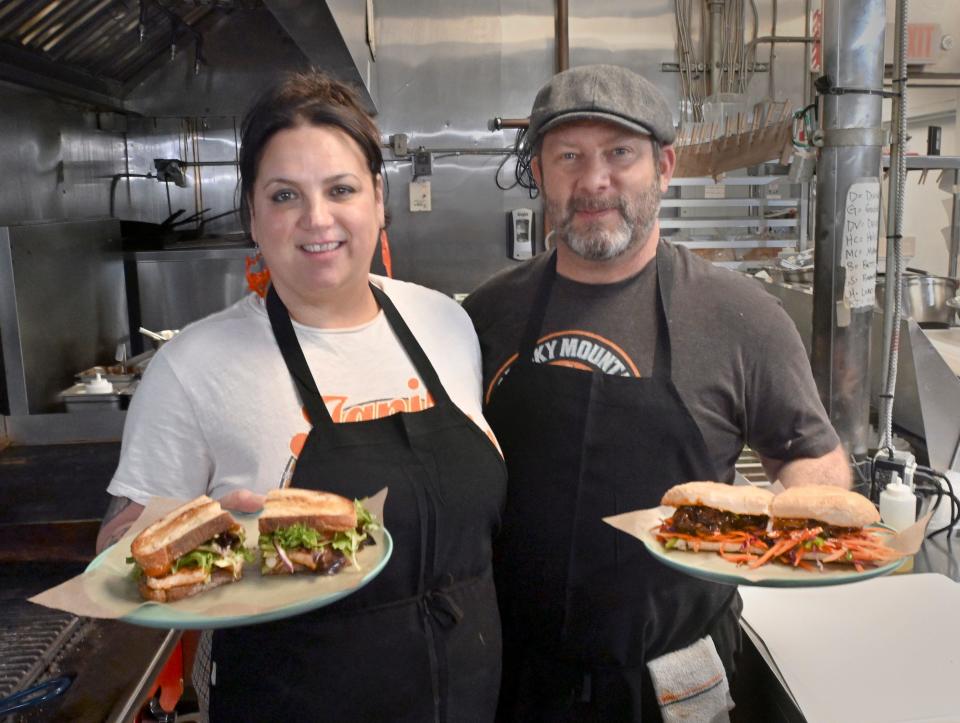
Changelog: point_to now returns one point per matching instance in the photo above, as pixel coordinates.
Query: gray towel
(691, 684)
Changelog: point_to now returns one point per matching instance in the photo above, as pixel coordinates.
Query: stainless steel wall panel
(29, 154)
(90, 158)
(146, 199)
(63, 307)
(194, 141)
(215, 140)
(445, 70)
(183, 286)
(52, 158)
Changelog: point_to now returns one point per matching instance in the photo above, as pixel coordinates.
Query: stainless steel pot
(797, 276)
(924, 297)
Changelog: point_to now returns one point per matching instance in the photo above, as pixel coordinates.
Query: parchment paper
(109, 590)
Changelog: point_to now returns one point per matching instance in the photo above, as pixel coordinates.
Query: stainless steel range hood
(179, 57)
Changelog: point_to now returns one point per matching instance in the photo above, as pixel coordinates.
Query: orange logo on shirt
(341, 411)
(577, 349)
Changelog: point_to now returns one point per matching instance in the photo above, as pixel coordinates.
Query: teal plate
(713, 568)
(253, 599)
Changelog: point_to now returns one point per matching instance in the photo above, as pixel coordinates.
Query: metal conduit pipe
(892, 299)
(562, 35)
(807, 76)
(751, 46)
(853, 33)
(716, 45)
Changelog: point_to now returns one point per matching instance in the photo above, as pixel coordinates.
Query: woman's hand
(242, 501)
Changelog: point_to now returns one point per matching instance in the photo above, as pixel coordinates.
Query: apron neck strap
(410, 345)
(661, 358)
(296, 362)
(538, 311)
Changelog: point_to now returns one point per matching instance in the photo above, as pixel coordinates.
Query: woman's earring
(257, 273)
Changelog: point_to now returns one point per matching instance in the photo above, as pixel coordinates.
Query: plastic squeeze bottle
(898, 509)
(98, 386)
(898, 504)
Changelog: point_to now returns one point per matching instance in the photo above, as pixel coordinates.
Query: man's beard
(597, 242)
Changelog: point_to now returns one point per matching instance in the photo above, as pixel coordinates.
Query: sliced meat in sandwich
(310, 531)
(194, 548)
(715, 516)
(825, 524)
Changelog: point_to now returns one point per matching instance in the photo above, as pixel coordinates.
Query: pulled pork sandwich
(823, 524)
(308, 531)
(711, 516)
(194, 548)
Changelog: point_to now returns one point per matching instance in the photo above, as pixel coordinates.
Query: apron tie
(442, 608)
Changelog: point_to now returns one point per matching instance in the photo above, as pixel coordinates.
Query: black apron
(584, 606)
(421, 642)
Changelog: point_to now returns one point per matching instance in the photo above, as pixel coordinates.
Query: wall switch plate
(420, 196)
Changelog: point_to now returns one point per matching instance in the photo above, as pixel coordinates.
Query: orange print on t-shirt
(341, 411)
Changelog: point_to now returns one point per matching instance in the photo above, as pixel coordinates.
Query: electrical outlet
(902, 462)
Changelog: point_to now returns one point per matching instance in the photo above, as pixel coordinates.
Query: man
(615, 368)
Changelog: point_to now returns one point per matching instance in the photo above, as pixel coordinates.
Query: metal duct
(849, 165)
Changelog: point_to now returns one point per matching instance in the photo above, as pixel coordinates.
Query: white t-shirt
(216, 409)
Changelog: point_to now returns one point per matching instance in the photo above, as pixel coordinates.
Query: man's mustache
(592, 205)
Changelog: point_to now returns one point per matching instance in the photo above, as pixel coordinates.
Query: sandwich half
(825, 524)
(309, 531)
(194, 548)
(715, 516)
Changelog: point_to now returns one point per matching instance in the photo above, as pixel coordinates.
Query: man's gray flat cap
(601, 92)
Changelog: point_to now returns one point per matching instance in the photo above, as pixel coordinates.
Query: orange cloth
(385, 252)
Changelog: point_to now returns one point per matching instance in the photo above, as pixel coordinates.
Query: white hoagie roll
(825, 503)
(741, 499)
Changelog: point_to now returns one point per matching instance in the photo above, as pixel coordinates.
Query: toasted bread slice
(217, 578)
(323, 511)
(741, 499)
(180, 531)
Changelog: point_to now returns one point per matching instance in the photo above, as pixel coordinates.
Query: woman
(386, 373)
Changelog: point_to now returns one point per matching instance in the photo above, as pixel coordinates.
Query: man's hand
(242, 501)
(833, 468)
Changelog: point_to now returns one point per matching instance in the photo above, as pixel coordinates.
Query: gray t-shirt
(738, 362)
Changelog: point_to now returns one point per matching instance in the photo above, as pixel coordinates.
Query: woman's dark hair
(311, 98)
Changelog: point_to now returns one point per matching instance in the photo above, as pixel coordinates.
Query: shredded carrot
(778, 549)
(859, 548)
